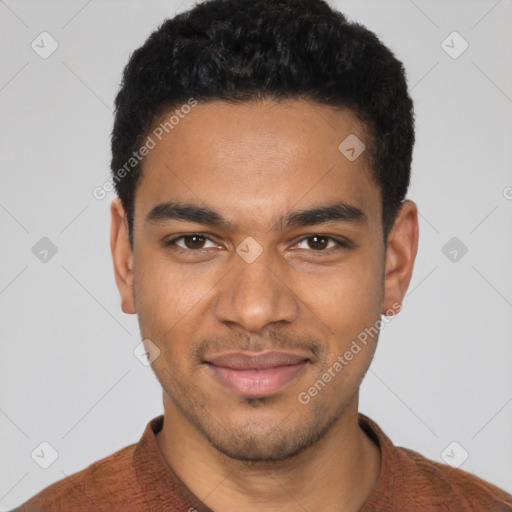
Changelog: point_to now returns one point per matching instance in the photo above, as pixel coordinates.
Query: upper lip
(252, 361)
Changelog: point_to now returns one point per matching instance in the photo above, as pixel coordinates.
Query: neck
(344, 465)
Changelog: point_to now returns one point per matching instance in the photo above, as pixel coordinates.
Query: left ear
(400, 256)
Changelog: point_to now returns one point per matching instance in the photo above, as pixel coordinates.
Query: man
(261, 155)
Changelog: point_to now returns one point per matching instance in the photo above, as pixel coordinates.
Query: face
(255, 236)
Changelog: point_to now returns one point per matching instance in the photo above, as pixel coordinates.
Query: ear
(122, 256)
(400, 256)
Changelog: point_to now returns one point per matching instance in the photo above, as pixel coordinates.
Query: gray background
(68, 376)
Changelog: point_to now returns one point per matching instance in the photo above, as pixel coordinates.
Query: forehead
(257, 158)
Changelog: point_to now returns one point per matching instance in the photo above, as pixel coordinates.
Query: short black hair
(246, 50)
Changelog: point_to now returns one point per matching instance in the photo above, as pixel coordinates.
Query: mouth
(257, 375)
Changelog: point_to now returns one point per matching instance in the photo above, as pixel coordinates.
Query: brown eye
(194, 241)
(319, 243)
(191, 243)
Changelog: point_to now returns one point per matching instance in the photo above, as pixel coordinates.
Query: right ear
(122, 255)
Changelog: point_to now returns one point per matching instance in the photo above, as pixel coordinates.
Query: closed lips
(244, 361)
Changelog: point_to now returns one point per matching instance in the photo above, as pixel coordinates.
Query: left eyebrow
(335, 212)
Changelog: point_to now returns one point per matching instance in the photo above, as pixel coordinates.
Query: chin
(260, 442)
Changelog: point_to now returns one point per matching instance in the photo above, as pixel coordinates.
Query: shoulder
(443, 487)
(411, 481)
(99, 483)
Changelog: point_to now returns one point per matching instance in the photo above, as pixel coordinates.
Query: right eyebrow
(187, 212)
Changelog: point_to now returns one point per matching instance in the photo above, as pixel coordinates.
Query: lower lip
(257, 382)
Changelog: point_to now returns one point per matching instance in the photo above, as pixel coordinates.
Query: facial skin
(253, 164)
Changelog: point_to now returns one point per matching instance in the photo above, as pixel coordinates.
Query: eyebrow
(188, 212)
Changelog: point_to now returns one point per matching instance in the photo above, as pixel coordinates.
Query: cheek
(348, 302)
(169, 297)
(345, 296)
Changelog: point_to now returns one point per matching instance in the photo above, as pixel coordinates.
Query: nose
(254, 295)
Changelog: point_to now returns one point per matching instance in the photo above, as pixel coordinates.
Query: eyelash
(340, 244)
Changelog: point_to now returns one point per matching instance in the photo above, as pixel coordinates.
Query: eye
(192, 242)
(321, 243)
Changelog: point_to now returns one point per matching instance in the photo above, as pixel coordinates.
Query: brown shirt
(137, 478)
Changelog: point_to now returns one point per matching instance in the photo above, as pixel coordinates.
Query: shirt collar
(161, 485)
